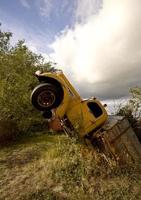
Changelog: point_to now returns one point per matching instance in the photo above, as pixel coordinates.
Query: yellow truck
(87, 118)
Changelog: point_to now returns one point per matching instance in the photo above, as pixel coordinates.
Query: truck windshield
(95, 109)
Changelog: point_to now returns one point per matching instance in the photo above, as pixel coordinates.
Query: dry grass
(57, 167)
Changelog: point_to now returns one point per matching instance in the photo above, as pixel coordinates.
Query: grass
(50, 167)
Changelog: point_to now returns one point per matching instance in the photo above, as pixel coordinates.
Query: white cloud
(25, 3)
(103, 54)
(86, 8)
(114, 105)
(55, 7)
(45, 7)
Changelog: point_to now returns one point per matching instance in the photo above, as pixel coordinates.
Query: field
(49, 167)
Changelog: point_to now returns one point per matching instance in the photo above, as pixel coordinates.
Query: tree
(132, 110)
(4, 41)
(17, 65)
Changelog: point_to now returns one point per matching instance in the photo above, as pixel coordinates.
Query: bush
(17, 65)
(132, 111)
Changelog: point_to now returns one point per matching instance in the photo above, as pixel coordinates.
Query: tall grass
(58, 167)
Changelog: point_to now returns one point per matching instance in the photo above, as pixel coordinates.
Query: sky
(97, 43)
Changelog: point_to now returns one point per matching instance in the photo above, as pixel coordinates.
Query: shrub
(17, 65)
(132, 110)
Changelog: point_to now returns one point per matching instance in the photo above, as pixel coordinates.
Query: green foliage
(135, 102)
(17, 65)
(127, 111)
(132, 110)
(4, 41)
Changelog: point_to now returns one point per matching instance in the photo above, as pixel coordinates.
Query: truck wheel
(46, 96)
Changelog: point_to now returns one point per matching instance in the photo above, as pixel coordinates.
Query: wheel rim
(46, 98)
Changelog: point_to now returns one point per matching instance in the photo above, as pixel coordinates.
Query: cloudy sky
(96, 42)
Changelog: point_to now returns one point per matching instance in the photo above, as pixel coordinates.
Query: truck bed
(119, 139)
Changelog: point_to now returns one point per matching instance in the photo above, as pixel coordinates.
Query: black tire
(46, 96)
